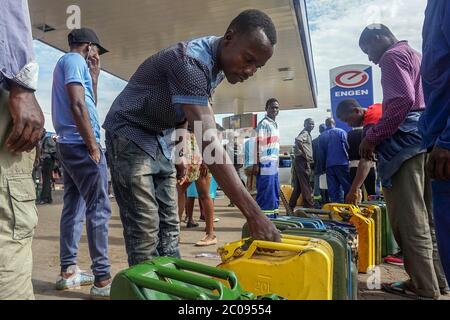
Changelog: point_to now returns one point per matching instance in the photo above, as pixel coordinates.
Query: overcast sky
(335, 27)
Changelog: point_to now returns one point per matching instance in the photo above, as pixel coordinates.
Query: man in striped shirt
(401, 161)
(267, 182)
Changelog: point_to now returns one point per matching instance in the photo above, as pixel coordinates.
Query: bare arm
(361, 174)
(94, 70)
(225, 174)
(27, 118)
(81, 117)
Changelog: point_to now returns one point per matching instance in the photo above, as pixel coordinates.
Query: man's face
(309, 125)
(354, 118)
(92, 51)
(374, 49)
(243, 54)
(273, 109)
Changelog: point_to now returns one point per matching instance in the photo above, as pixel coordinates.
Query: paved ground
(46, 250)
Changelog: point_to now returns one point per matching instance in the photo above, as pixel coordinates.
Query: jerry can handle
(283, 225)
(276, 246)
(352, 208)
(223, 274)
(168, 288)
(202, 281)
(317, 212)
(183, 292)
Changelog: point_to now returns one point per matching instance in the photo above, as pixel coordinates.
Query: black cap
(85, 35)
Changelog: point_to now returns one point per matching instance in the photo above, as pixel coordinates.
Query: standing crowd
(407, 139)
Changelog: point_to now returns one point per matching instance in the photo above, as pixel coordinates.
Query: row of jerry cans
(339, 236)
(365, 226)
(388, 244)
(166, 278)
(375, 238)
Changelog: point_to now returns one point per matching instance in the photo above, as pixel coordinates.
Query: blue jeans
(85, 197)
(145, 190)
(339, 183)
(441, 213)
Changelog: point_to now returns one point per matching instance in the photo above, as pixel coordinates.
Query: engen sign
(351, 82)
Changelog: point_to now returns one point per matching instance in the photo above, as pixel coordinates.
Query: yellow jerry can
(297, 268)
(287, 191)
(374, 212)
(366, 232)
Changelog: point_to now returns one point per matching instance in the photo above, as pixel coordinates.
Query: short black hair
(345, 107)
(330, 122)
(374, 30)
(250, 20)
(270, 101)
(307, 120)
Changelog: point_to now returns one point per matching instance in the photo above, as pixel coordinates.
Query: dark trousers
(145, 190)
(47, 170)
(339, 183)
(85, 198)
(370, 181)
(301, 183)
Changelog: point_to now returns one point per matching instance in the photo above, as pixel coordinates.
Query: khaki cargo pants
(18, 214)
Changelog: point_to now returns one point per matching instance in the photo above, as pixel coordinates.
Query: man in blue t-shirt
(75, 118)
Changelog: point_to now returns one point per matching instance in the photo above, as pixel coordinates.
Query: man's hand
(95, 154)
(261, 228)
(438, 165)
(181, 167)
(367, 150)
(94, 67)
(28, 120)
(352, 197)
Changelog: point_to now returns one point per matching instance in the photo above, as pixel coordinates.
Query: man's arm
(299, 144)
(181, 147)
(94, 70)
(399, 98)
(21, 73)
(80, 114)
(322, 154)
(259, 136)
(438, 165)
(28, 119)
(361, 174)
(225, 174)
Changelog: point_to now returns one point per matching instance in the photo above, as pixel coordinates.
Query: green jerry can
(167, 278)
(388, 244)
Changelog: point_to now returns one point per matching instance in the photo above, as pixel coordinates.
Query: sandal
(192, 224)
(400, 288)
(205, 242)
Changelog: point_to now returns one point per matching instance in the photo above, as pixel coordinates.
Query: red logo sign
(352, 79)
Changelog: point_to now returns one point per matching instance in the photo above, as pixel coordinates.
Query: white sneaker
(75, 281)
(100, 293)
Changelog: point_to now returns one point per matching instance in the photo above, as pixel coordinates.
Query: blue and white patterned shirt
(268, 140)
(148, 109)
